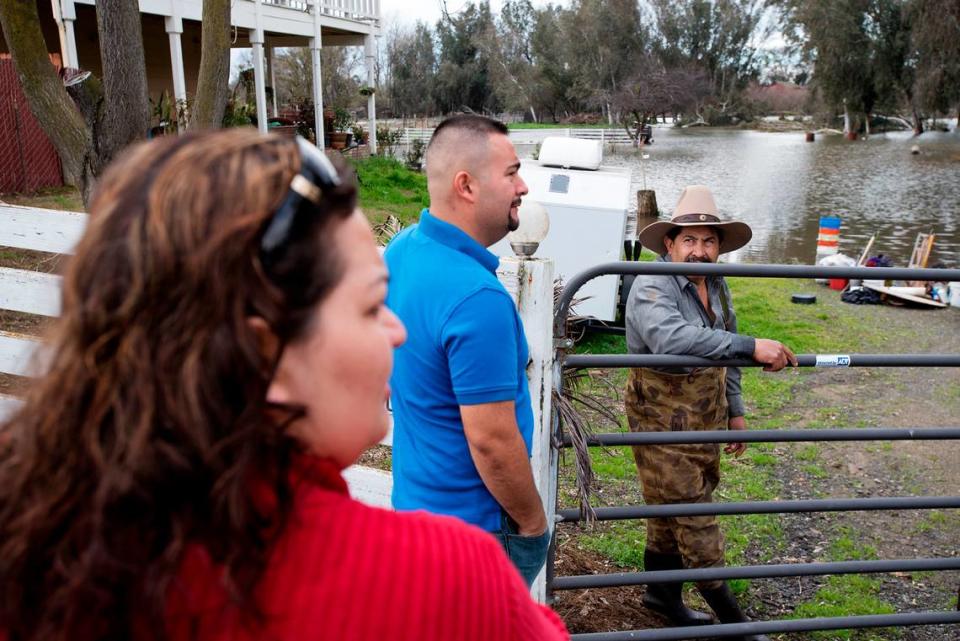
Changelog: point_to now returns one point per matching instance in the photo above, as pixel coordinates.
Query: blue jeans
(528, 553)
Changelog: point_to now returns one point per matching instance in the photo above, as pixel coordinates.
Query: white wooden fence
(530, 283)
(534, 136)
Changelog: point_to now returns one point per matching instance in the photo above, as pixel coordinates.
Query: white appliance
(588, 218)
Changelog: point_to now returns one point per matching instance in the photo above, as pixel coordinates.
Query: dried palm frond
(385, 230)
(574, 395)
(571, 328)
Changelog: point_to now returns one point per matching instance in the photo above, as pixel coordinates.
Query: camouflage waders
(660, 402)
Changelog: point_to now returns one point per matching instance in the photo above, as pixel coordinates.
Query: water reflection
(781, 185)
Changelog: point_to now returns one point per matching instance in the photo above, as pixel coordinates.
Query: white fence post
(530, 281)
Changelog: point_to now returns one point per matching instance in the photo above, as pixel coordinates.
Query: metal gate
(565, 360)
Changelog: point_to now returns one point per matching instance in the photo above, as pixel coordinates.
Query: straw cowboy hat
(696, 208)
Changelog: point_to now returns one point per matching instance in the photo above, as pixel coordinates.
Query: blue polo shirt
(465, 346)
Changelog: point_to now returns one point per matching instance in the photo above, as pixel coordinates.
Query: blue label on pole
(830, 222)
(833, 360)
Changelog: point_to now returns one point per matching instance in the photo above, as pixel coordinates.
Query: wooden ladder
(921, 250)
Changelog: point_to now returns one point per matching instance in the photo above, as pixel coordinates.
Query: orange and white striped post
(828, 241)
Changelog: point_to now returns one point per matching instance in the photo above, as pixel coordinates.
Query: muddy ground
(896, 398)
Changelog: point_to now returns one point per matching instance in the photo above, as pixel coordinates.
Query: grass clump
(846, 595)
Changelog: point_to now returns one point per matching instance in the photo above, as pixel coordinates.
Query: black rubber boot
(667, 598)
(728, 610)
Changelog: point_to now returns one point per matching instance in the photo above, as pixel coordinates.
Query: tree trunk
(917, 123)
(49, 101)
(213, 82)
(126, 106)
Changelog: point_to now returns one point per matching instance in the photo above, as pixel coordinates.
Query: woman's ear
(268, 345)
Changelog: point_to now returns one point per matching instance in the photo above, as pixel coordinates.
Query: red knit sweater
(343, 570)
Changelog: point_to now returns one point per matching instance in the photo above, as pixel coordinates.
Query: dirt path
(908, 397)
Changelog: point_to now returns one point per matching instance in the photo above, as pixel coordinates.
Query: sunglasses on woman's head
(316, 174)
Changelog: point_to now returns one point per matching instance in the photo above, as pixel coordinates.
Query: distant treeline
(625, 61)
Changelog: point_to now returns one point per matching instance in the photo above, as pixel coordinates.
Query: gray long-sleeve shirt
(665, 316)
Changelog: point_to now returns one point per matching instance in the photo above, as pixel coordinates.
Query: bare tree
(655, 89)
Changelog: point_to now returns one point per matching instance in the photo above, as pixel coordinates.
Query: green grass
(935, 520)
(846, 595)
(388, 187)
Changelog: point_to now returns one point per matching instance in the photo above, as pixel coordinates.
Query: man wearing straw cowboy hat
(691, 316)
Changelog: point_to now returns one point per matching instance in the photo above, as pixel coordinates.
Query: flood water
(781, 185)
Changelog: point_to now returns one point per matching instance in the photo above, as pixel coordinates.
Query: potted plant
(415, 155)
(360, 136)
(341, 134)
(367, 90)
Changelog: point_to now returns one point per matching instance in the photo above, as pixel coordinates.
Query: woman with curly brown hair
(223, 354)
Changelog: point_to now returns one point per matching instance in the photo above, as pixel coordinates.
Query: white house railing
(359, 10)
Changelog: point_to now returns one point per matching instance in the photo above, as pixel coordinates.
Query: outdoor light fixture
(534, 225)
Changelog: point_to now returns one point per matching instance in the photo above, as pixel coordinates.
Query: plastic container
(953, 294)
(838, 284)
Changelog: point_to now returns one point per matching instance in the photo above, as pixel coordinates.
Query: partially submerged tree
(655, 89)
(95, 120)
(833, 35)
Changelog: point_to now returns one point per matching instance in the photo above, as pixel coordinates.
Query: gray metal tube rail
(777, 627)
(585, 581)
(625, 512)
(804, 360)
(714, 269)
(761, 507)
(771, 436)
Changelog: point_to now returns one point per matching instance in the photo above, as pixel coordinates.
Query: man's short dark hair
(471, 123)
(467, 136)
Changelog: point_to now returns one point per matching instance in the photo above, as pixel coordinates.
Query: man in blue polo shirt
(463, 422)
